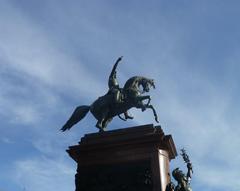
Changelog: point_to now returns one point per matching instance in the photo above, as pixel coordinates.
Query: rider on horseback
(113, 85)
(116, 101)
(114, 88)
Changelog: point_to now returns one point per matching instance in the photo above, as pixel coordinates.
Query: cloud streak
(43, 173)
(49, 64)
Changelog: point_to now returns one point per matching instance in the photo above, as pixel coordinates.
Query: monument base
(131, 159)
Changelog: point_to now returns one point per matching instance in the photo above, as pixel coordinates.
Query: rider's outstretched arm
(115, 66)
(190, 170)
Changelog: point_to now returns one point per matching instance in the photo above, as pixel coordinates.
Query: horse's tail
(79, 113)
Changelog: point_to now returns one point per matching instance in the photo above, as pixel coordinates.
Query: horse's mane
(131, 81)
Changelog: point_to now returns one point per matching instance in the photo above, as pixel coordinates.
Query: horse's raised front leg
(154, 112)
(141, 105)
(102, 121)
(141, 98)
(146, 106)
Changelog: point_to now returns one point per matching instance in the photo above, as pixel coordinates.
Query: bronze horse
(104, 109)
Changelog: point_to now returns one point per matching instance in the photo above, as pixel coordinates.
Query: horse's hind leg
(99, 125)
(105, 123)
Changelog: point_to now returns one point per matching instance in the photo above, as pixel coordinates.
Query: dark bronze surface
(183, 180)
(116, 101)
(119, 177)
(143, 150)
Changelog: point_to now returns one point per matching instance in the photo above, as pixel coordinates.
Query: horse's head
(147, 84)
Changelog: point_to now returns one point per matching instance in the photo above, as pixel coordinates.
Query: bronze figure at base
(183, 180)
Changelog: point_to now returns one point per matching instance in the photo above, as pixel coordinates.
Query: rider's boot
(117, 97)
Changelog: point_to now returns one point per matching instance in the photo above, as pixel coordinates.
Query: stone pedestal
(131, 159)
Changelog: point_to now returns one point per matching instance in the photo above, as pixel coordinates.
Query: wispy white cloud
(28, 52)
(42, 173)
(219, 177)
(198, 120)
(204, 129)
(7, 140)
(32, 52)
(39, 74)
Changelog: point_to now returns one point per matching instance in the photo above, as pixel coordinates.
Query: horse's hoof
(129, 117)
(101, 130)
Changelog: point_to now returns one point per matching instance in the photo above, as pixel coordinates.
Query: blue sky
(55, 55)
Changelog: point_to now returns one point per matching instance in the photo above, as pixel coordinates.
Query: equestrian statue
(116, 101)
